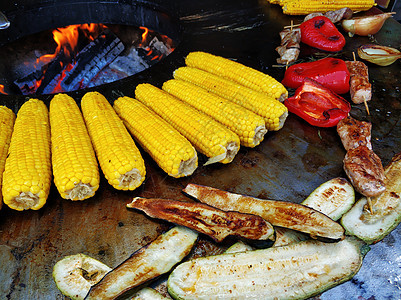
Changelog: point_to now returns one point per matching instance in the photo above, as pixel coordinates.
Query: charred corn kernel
(169, 149)
(273, 112)
(29, 159)
(72, 151)
(207, 135)
(113, 144)
(247, 125)
(237, 72)
(301, 7)
(7, 118)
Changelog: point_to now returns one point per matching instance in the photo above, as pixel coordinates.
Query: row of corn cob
(301, 7)
(158, 119)
(61, 138)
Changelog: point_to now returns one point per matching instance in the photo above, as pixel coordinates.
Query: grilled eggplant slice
(150, 261)
(278, 213)
(295, 271)
(75, 274)
(203, 218)
(333, 198)
(373, 226)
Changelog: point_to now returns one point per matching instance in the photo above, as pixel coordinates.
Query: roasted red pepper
(330, 72)
(321, 33)
(317, 105)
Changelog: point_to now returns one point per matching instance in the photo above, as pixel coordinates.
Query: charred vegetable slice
(333, 198)
(148, 294)
(285, 236)
(203, 218)
(150, 261)
(295, 271)
(278, 213)
(238, 247)
(75, 274)
(374, 226)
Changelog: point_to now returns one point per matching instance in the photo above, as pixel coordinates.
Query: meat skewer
(360, 88)
(363, 167)
(289, 48)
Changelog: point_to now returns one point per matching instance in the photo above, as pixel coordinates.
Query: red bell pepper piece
(330, 72)
(321, 33)
(317, 105)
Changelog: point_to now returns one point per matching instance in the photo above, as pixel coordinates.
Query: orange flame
(2, 90)
(67, 39)
(144, 34)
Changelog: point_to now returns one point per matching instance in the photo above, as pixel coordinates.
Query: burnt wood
(92, 59)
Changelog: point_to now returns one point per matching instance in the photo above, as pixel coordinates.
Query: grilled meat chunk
(334, 15)
(365, 170)
(289, 47)
(354, 133)
(339, 14)
(360, 88)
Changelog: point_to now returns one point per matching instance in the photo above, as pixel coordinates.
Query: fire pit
(85, 56)
(68, 46)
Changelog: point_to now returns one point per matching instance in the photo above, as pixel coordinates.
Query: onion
(379, 55)
(365, 25)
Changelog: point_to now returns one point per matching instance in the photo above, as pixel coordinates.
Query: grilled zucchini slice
(148, 294)
(373, 226)
(149, 262)
(295, 271)
(333, 198)
(75, 274)
(278, 213)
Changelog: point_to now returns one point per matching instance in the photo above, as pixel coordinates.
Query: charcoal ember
(129, 64)
(27, 84)
(160, 47)
(92, 59)
(47, 77)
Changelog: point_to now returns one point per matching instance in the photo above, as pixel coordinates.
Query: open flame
(87, 55)
(2, 90)
(67, 38)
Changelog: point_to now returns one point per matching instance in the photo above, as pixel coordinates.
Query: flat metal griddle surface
(288, 165)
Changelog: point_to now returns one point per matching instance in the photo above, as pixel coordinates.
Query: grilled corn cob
(119, 158)
(171, 151)
(237, 72)
(7, 118)
(27, 175)
(207, 135)
(301, 7)
(247, 125)
(75, 169)
(273, 112)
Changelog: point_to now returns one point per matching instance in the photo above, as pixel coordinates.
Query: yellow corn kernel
(29, 159)
(237, 72)
(7, 118)
(207, 135)
(300, 7)
(113, 144)
(168, 148)
(72, 151)
(273, 112)
(247, 125)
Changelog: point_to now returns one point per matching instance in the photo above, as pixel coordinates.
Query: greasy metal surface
(288, 165)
